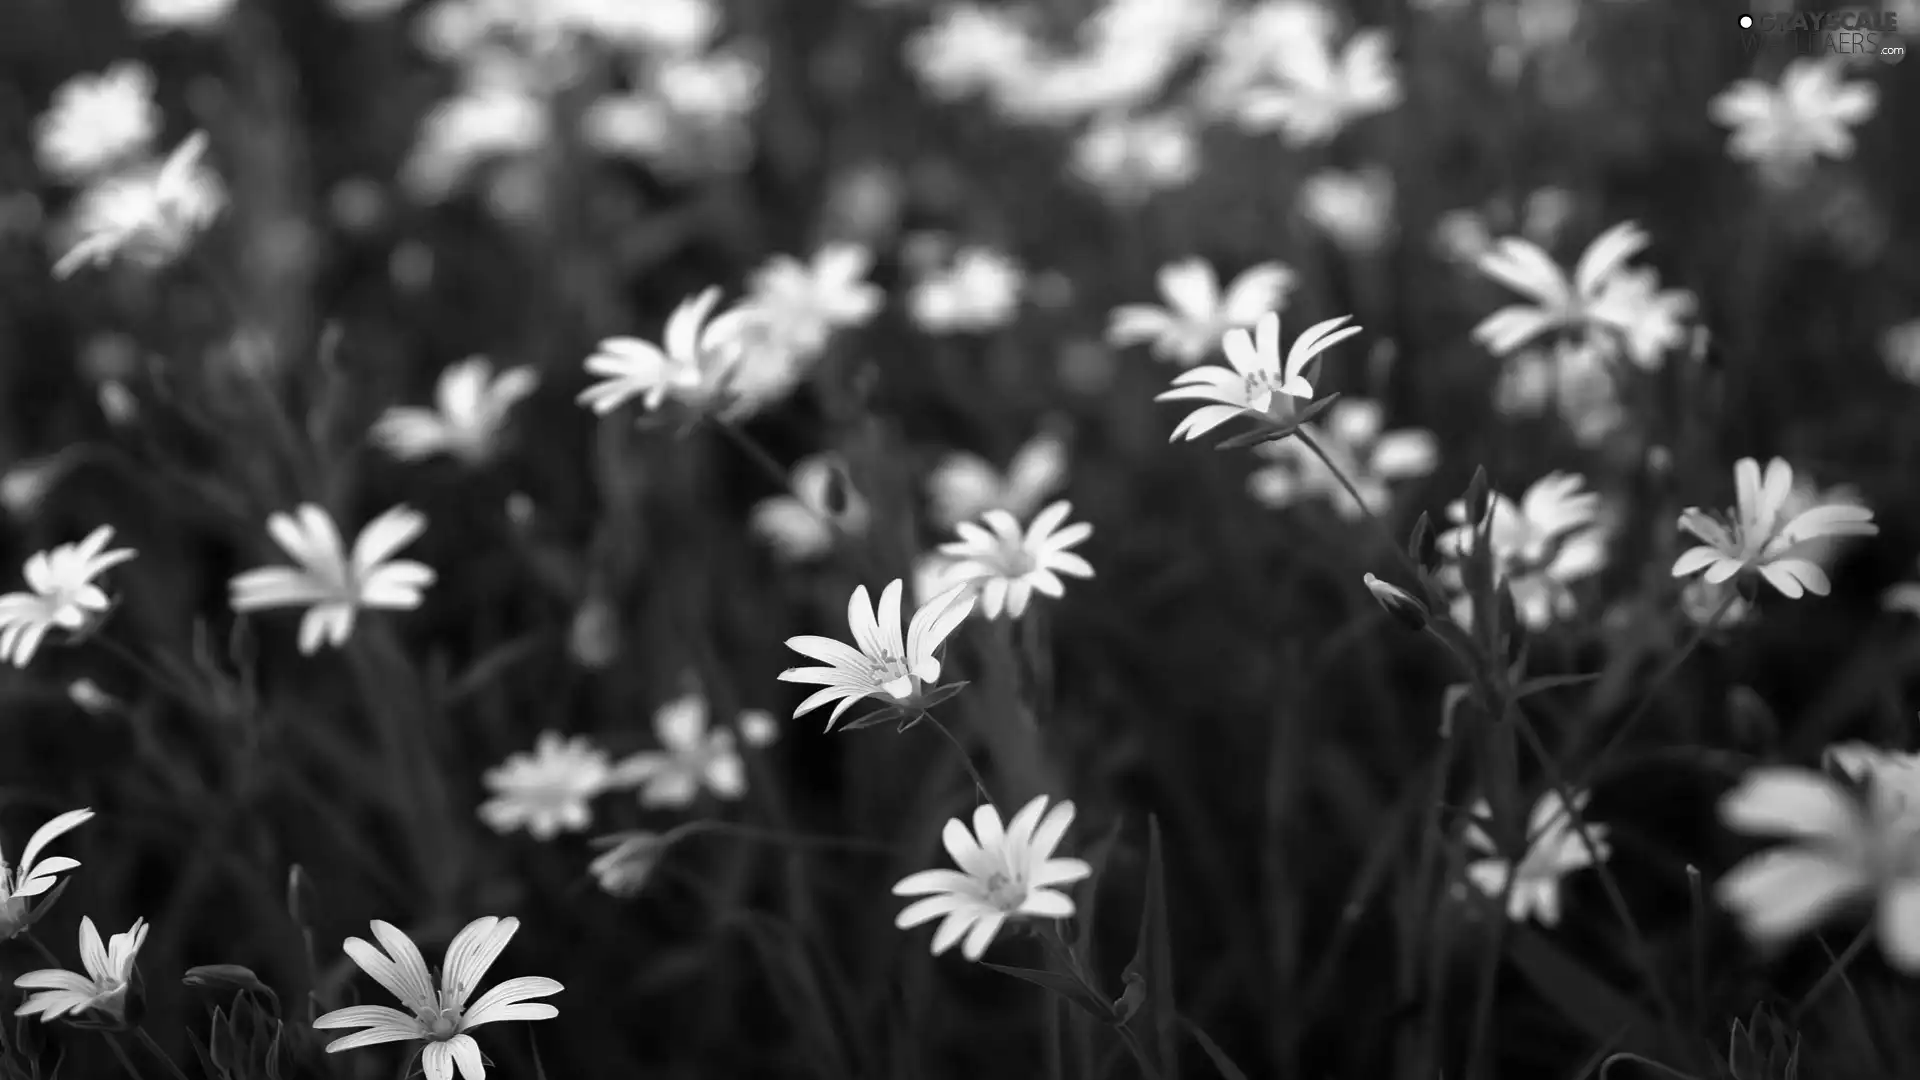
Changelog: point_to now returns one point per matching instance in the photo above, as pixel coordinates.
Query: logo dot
(1746, 22)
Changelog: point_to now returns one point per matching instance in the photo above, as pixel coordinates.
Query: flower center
(1261, 382)
(1005, 892)
(889, 669)
(441, 1024)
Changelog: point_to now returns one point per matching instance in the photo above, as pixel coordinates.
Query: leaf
(1599, 1009)
(1269, 430)
(1152, 961)
(875, 718)
(1221, 1062)
(1553, 682)
(1065, 987)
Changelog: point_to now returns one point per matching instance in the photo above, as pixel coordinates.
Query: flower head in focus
(1371, 459)
(63, 594)
(1256, 375)
(1008, 564)
(1759, 536)
(977, 291)
(692, 365)
(146, 217)
(809, 301)
(1539, 547)
(1197, 314)
(155, 16)
(548, 791)
(470, 410)
(34, 876)
(1603, 296)
(823, 506)
(1006, 871)
(880, 663)
(1783, 128)
(98, 123)
(103, 990)
(442, 1019)
(1555, 848)
(331, 583)
(692, 756)
(964, 486)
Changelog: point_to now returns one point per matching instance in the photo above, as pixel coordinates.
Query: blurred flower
(594, 636)
(1804, 495)
(146, 217)
(1785, 127)
(1902, 597)
(470, 409)
(1462, 236)
(1008, 565)
(494, 115)
(1539, 547)
(1354, 209)
(26, 484)
(686, 115)
(1197, 314)
(1650, 321)
(882, 665)
(1371, 459)
(822, 507)
(159, 15)
(63, 594)
(329, 583)
(442, 1020)
(691, 756)
(1867, 765)
(629, 860)
(1006, 872)
(693, 368)
(365, 9)
(1277, 68)
(87, 695)
(548, 791)
(103, 989)
(964, 486)
(1256, 375)
(933, 577)
(1900, 351)
(757, 728)
(807, 302)
(1571, 378)
(33, 878)
(971, 49)
(978, 290)
(1759, 536)
(1842, 847)
(1555, 848)
(1704, 603)
(1602, 294)
(1128, 158)
(97, 123)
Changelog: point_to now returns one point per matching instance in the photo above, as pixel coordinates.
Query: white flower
(1256, 375)
(691, 757)
(495, 115)
(1278, 70)
(470, 410)
(1371, 459)
(34, 877)
(441, 1019)
(97, 123)
(548, 791)
(1354, 209)
(757, 728)
(1006, 872)
(1842, 848)
(1804, 495)
(1008, 565)
(1554, 849)
(1197, 313)
(1574, 379)
(1784, 128)
(1902, 597)
(1128, 158)
(807, 302)
(157, 15)
(103, 989)
(146, 217)
(1760, 537)
(977, 291)
(63, 594)
(1721, 605)
(1900, 351)
(1649, 320)
(1603, 295)
(624, 868)
(964, 486)
(1540, 546)
(933, 576)
(329, 583)
(694, 367)
(879, 663)
(970, 49)
(822, 507)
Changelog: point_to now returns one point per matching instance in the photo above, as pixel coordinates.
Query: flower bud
(1479, 496)
(229, 976)
(1399, 603)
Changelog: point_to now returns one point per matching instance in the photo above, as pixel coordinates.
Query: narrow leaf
(1599, 1009)
(1153, 959)
(1221, 1062)
(1065, 987)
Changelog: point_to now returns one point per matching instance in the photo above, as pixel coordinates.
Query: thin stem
(1834, 971)
(144, 668)
(153, 1047)
(1406, 561)
(120, 1052)
(41, 948)
(966, 759)
(1659, 681)
(771, 836)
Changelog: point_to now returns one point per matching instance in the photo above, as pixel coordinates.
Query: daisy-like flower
(1540, 546)
(964, 486)
(147, 217)
(549, 791)
(1006, 872)
(692, 756)
(97, 123)
(1554, 850)
(470, 410)
(1602, 296)
(880, 663)
(1842, 847)
(1759, 537)
(1784, 128)
(331, 584)
(973, 49)
(63, 594)
(1371, 459)
(809, 301)
(694, 366)
(102, 990)
(1197, 313)
(1008, 564)
(1865, 764)
(1128, 158)
(976, 292)
(34, 877)
(1279, 70)
(1256, 375)
(443, 1019)
(822, 507)
(1354, 209)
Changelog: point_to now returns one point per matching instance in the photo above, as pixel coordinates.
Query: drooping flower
(692, 756)
(548, 791)
(1371, 459)
(1539, 547)
(1008, 564)
(331, 584)
(1197, 314)
(964, 486)
(694, 366)
(628, 860)
(34, 877)
(809, 301)
(1783, 128)
(1005, 872)
(103, 990)
(1256, 374)
(880, 663)
(63, 594)
(822, 507)
(442, 1019)
(1759, 537)
(470, 410)
(147, 217)
(1554, 849)
(97, 123)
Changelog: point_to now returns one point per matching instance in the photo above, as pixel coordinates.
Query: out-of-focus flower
(1804, 495)
(470, 410)
(190, 15)
(63, 594)
(687, 115)
(1554, 849)
(1197, 314)
(1541, 545)
(1370, 458)
(1784, 128)
(758, 729)
(26, 484)
(102, 990)
(1866, 764)
(624, 868)
(34, 877)
(97, 123)
(976, 292)
(1758, 535)
(879, 663)
(807, 302)
(1129, 158)
(443, 1019)
(1354, 209)
(692, 756)
(1900, 351)
(1462, 236)
(1008, 565)
(692, 365)
(1256, 375)
(1602, 295)
(548, 791)
(494, 115)
(972, 49)
(964, 486)
(146, 217)
(822, 507)
(88, 696)
(1572, 378)
(933, 576)
(331, 584)
(1704, 603)
(1277, 68)
(365, 9)
(1005, 872)
(1903, 597)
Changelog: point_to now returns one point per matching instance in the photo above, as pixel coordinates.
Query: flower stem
(153, 1047)
(41, 948)
(120, 1052)
(1834, 971)
(1659, 681)
(966, 759)
(1406, 561)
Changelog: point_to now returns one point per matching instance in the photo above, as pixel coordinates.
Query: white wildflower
(1256, 376)
(880, 663)
(102, 990)
(1008, 564)
(548, 791)
(62, 594)
(1005, 872)
(1554, 850)
(470, 410)
(692, 757)
(333, 585)
(1758, 535)
(98, 123)
(1197, 314)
